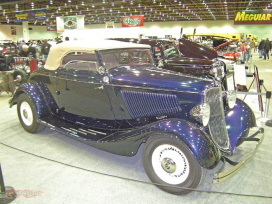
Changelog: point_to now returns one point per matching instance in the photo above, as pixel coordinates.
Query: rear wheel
(169, 162)
(27, 114)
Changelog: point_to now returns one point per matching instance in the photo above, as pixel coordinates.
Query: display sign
(253, 17)
(132, 21)
(52, 27)
(69, 22)
(109, 24)
(13, 30)
(32, 15)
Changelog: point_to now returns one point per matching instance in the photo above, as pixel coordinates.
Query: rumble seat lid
(58, 51)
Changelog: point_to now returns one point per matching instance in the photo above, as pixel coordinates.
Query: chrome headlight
(201, 113)
(231, 98)
(217, 69)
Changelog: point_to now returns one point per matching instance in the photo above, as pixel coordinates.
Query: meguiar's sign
(253, 17)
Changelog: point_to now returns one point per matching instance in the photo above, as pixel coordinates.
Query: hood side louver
(142, 104)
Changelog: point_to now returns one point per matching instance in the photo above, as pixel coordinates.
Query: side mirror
(102, 70)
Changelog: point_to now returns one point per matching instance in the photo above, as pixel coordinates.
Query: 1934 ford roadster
(109, 94)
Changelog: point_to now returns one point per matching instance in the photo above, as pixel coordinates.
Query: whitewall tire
(170, 163)
(27, 114)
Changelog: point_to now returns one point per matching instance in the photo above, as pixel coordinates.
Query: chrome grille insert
(217, 123)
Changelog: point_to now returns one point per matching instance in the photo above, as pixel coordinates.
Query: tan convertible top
(58, 51)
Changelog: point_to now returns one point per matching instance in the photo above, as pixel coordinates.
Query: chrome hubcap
(168, 165)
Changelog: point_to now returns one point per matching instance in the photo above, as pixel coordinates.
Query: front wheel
(27, 114)
(170, 164)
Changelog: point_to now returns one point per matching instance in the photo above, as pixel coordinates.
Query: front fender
(198, 141)
(33, 90)
(127, 142)
(239, 120)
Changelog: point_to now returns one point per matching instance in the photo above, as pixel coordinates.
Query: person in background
(58, 40)
(267, 48)
(21, 45)
(243, 50)
(252, 46)
(261, 48)
(28, 52)
(248, 49)
(256, 46)
(66, 38)
(45, 47)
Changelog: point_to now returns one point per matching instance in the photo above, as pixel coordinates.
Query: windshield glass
(127, 57)
(171, 51)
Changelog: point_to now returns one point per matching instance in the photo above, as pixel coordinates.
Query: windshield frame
(112, 58)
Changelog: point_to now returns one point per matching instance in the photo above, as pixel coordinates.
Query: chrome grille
(217, 123)
(142, 104)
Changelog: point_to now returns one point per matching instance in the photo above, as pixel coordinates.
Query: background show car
(21, 67)
(168, 56)
(109, 94)
(192, 49)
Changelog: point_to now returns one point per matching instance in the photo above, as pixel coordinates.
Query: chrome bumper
(224, 175)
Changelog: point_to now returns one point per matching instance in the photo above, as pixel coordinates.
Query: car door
(82, 97)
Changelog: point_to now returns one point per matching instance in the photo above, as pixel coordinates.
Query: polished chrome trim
(223, 176)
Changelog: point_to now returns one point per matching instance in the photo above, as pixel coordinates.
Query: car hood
(191, 49)
(191, 61)
(159, 79)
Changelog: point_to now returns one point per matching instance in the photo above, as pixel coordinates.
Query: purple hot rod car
(110, 95)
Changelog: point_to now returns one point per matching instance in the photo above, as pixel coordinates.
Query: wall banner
(70, 23)
(132, 21)
(13, 30)
(33, 15)
(253, 17)
(51, 27)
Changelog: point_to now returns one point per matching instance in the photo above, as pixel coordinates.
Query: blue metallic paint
(158, 79)
(239, 120)
(199, 142)
(36, 94)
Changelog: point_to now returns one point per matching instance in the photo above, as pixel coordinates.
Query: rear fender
(35, 93)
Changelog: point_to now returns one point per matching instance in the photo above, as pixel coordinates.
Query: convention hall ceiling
(101, 11)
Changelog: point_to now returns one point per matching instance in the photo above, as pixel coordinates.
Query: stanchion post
(2, 184)
(268, 97)
(7, 194)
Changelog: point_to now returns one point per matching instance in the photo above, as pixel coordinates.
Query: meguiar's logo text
(243, 16)
(253, 17)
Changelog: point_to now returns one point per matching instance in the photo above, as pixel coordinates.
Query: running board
(76, 131)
